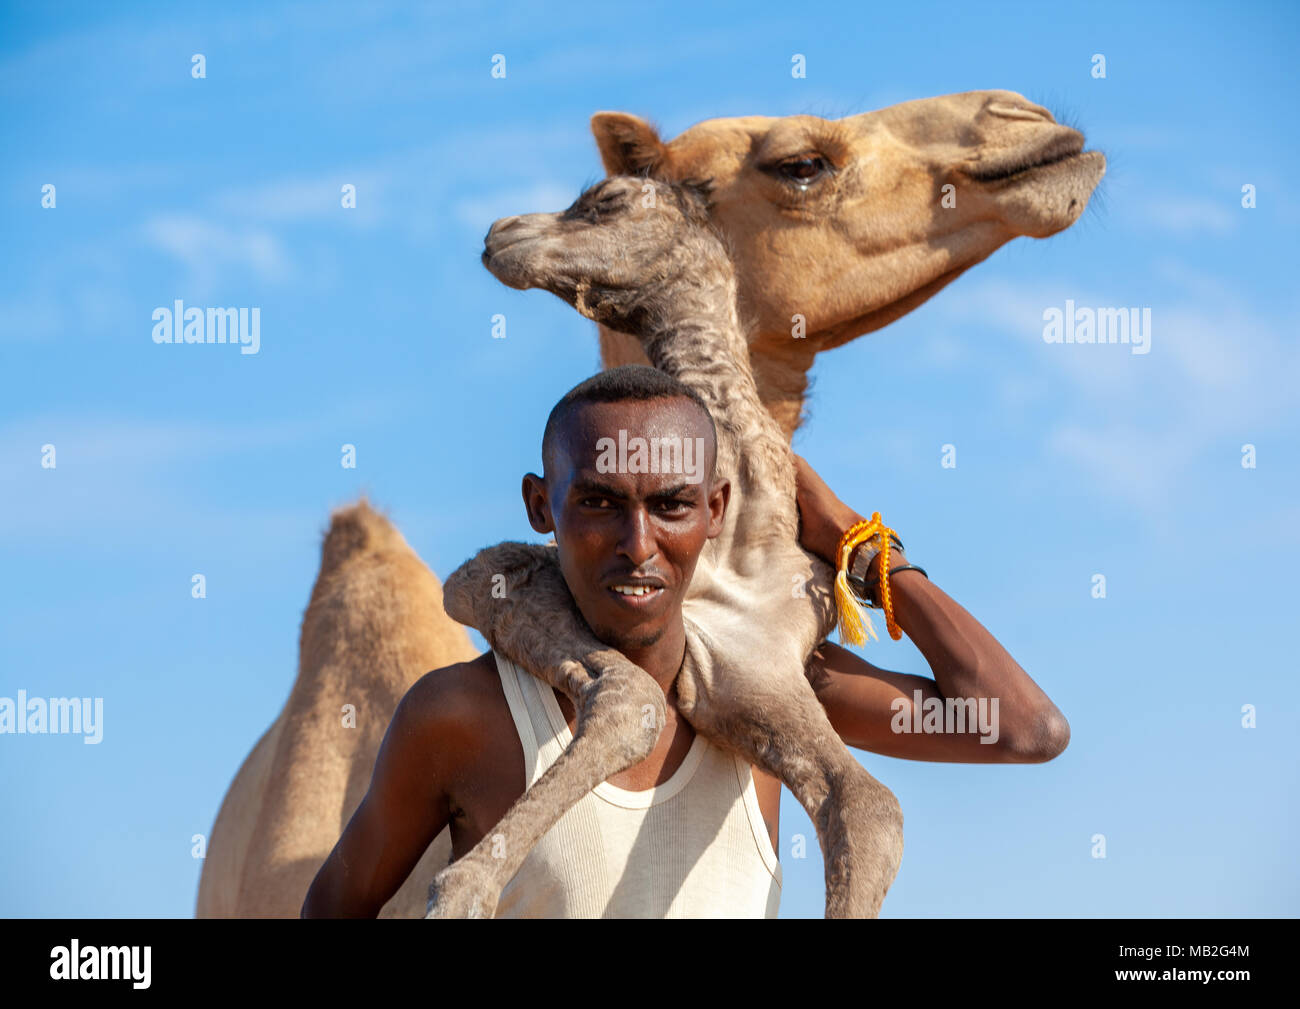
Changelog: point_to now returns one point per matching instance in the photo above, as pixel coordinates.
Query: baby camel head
(618, 253)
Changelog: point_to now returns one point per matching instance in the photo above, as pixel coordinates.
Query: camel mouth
(502, 237)
(1070, 149)
(504, 267)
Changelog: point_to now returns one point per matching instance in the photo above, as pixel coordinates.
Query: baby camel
(641, 257)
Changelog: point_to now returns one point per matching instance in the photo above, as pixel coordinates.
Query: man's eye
(674, 504)
(598, 502)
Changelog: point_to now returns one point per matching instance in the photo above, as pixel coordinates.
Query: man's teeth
(635, 590)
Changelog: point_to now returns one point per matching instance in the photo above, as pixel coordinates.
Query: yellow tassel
(853, 618)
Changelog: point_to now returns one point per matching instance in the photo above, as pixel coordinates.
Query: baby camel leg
(774, 720)
(620, 712)
(515, 595)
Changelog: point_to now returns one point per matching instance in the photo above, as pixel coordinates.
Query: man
(678, 834)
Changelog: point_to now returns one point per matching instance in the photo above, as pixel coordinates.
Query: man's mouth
(636, 593)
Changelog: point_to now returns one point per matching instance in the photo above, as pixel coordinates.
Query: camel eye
(803, 170)
(590, 206)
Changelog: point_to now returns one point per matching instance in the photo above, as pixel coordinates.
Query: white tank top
(695, 846)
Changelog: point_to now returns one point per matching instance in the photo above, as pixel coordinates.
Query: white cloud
(1217, 369)
(1128, 463)
(1147, 137)
(1019, 392)
(479, 211)
(285, 199)
(125, 445)
(302, 199)
(32, 320)
(1211, 346)
(114, 474)
(944, 351)
(1192, 215)
(210, 249)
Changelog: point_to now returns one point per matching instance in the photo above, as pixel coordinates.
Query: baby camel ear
(628, 144)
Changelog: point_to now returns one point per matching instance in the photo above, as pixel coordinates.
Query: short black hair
(627, 382)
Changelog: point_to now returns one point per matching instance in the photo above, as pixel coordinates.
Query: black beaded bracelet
(867, 586)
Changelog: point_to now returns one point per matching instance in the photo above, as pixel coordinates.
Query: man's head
(630, 493)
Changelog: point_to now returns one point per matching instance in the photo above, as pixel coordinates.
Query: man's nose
(637, 542)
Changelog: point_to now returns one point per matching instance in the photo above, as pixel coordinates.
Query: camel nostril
(504, 224)
(1006, 110)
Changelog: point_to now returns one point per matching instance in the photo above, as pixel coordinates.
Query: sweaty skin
(452, 755)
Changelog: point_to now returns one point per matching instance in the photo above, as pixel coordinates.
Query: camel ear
(628, 144)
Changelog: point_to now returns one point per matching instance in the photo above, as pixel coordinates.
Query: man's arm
(405, 808)
(864, 702)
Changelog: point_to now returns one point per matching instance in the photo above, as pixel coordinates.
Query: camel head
(623, 254)
(851, 223)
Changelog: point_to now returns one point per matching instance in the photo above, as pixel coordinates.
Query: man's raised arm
(1006, 717)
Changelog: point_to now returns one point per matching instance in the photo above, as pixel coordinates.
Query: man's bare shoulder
(456, 705)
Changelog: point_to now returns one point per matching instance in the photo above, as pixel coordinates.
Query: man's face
(628, 541)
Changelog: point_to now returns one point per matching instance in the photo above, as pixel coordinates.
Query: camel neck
(697, 338)
(706, 311)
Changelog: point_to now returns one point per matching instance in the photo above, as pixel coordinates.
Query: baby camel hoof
(462, 890)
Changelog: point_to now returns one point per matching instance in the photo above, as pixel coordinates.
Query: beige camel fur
(662, 272)
(375, 616)
(868, 258)
(844, 221)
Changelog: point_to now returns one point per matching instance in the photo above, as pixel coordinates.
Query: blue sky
(1072, 460)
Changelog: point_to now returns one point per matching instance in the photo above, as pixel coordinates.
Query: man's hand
(824, 518)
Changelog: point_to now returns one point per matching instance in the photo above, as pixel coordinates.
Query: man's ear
(537, 503)
(719, 497)
(628, 144)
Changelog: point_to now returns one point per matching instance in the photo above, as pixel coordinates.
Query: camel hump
(356, 529)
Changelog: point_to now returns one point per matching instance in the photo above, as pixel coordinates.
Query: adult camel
(837, 228)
